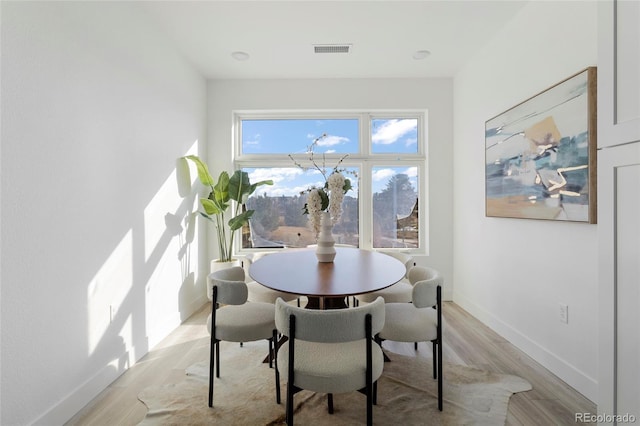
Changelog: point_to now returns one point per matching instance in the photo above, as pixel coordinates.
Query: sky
(294, 136)
(341, 136)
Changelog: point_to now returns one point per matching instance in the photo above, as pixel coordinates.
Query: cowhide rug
(407, 395)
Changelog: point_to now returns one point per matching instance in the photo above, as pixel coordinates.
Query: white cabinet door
(619, 210)
(619, 280)
(618, 72)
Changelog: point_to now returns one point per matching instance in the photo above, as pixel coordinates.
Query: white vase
(325, 250)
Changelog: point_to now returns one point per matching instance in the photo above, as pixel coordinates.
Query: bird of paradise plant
(236, 187)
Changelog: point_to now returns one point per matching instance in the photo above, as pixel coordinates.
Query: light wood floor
(466, 341)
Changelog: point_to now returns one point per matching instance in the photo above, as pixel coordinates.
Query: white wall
(512, 273)
(434, 95)
(96, 108)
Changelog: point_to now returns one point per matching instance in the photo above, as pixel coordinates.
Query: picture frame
(540, 155)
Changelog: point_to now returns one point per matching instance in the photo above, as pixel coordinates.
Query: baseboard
(193, 307)
(575, 378)
(60, 413)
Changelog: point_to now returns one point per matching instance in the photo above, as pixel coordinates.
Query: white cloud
(332, 140)
(280, 189)
(392, 130)
(411, 172)
(254, 141)
(282, 177)
(276, 174)
(382, 175)
(328, 140)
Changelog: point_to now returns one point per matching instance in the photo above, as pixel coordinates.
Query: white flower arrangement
(329, 197)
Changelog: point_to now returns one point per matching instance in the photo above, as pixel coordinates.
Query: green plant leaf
(221, 189)
(240, 220)
(203, 170)
(257, 184)
(347, 186)
(210, 207)
(240, 188)
(325, 199)
(206, 216)
(239, 185)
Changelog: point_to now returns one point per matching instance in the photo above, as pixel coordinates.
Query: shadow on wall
(147, 284)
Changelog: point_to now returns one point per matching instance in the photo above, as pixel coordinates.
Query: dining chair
(420, 321)
(398, 292)
(260, 293)
(330, 351)
(234, 319)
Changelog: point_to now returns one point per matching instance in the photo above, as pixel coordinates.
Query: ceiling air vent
(331, 48)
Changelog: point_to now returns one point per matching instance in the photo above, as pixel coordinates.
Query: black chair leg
(218, 359)
(375, 393)
(440, 375)
(330, 402)
(415, 346)
(370, 394)
(275, 364)
(289, 404)
(435, 358)
(211, 363)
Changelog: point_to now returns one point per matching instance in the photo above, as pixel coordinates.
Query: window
(383, 155)
(293, 136)
(395, 136)
(395, 207)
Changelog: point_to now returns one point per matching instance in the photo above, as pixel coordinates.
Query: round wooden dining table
(354, 271)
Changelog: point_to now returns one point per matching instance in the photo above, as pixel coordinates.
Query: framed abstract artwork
(540, 155)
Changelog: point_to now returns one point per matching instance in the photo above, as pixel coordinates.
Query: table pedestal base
(326, 303)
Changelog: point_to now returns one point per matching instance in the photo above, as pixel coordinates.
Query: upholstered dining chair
(420, 321)
(330, 351)
(234, 319)
(397, 293)
(260, 293)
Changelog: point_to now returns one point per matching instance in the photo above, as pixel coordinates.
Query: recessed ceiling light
(421, 54)
(240, 56)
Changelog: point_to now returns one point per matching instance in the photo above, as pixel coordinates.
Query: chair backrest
(253, 257)
(330, 326)
(421, 273)
(426, 293)
(406, 259)
(230, 286)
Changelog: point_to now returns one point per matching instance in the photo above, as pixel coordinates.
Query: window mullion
(366, 206)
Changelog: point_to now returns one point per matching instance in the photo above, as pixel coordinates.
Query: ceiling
(279, 36)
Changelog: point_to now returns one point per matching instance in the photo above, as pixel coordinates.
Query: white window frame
(365, 160)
